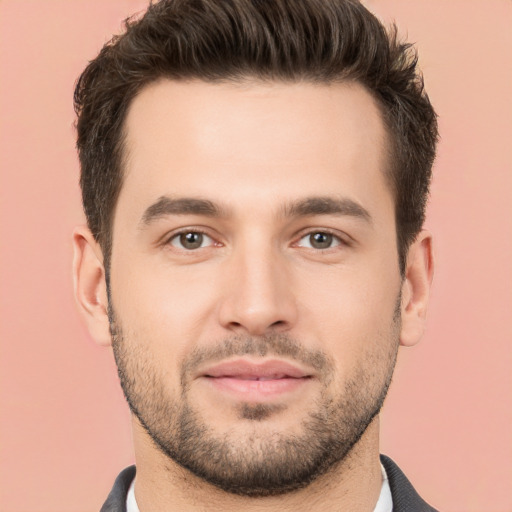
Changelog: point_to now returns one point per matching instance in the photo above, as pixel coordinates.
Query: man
(254, 176)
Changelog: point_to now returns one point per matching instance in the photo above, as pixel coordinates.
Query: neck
(163, 486)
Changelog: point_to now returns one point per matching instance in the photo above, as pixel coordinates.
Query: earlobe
(90, 285)
(416, 289)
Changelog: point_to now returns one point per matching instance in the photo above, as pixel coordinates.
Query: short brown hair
(321, 41)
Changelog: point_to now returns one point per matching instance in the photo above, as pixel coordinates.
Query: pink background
(64, 431)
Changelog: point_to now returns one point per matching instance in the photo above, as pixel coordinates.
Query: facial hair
(265, 463)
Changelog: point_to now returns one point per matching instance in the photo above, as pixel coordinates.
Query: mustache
(274, 344)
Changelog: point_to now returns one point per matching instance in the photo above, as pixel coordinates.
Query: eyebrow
(326, 206)
(180, 206)
(323, 205)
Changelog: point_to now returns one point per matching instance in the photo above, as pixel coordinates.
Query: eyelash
(187, 231)
(341, 241)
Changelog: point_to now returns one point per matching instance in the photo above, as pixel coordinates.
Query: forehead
(240, 142)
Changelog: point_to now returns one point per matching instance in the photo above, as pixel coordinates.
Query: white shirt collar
(131, 502)
(385, 501)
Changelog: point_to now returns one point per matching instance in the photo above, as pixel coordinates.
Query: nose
(258, 298)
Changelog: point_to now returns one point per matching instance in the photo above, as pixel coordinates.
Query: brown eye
(191, 240)
(319, 240)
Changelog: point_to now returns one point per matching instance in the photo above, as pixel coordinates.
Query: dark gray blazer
(405, 498)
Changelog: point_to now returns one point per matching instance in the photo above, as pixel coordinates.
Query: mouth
(256, 381)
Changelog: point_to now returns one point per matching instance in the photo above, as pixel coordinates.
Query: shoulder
(405, 497)
(116, 501)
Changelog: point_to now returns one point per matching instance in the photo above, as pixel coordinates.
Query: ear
(90, 285)
(416, 289)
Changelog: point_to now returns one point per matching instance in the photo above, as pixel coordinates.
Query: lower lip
(257, 389)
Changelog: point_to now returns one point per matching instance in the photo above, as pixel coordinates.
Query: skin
(254, 149)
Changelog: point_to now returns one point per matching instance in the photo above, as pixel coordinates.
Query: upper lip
(244, 369)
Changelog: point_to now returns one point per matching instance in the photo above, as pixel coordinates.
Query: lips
(256, 381)
(266, 370)
(255, 377)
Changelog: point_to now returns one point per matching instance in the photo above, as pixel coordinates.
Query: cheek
(351, 311)
(162, 306)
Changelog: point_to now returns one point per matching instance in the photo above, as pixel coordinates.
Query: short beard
(265, 463)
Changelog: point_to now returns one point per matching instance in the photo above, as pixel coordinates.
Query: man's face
(254, 284)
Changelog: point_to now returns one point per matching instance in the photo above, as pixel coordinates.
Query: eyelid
(342, 238)
(167, 239)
